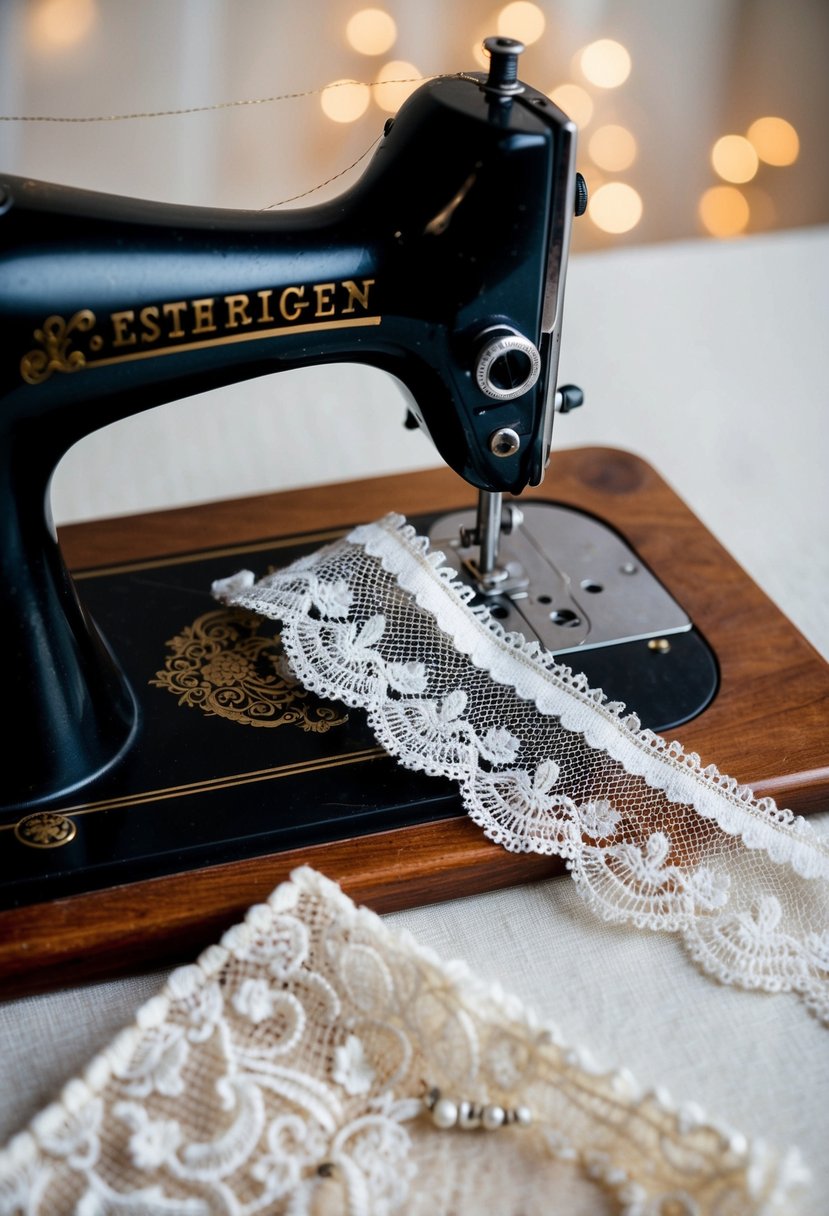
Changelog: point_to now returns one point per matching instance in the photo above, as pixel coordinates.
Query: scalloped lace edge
(536, 676)
(770, 1175)
(723, 944)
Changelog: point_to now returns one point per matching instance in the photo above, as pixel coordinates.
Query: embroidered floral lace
(546, 764)
(285, 1073)
(315, 1063)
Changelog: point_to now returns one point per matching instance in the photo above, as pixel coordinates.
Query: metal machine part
(508, 364)
(559, 575)
(491, 522)
(566, 579)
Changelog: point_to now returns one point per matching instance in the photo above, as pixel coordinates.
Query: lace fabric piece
(284, 1073)
(546, 764)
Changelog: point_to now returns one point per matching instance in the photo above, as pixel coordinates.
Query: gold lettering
(265, 297)
(203, 310)
(299, 292)
(174, 311)
(356, 293)
(120, 323)
(237, 311)
(264, 307)
(149, 319)
(324, 292)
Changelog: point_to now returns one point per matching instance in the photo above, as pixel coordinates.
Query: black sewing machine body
(444, 238)
(454, 237)
(444, 265)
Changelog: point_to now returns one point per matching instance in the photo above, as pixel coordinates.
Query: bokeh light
(615, 207)
(774, 140)
(60, 24)
(724, 211)
(605, 63)
(612, 147)
(371, 31)
(345, 100)
(734, 158)
(521, 20)
(575, 101)
(396, 81)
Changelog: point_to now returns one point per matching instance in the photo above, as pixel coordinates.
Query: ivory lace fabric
(546, 764)
(285, 1071)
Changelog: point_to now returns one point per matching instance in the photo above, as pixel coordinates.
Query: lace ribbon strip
(546, 764)
(288, 1072)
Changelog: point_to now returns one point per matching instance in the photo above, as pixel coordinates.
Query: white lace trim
(546, 764)
(284, 1073)
(555, 689)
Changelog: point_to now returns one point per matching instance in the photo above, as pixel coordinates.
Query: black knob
(569, 397)
(503, 65)
(581, 195)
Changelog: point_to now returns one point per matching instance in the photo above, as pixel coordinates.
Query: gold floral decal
(222, 665)
(57, 355)
(45, 830)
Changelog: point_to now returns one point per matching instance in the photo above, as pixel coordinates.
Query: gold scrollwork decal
(222, 665)
(45, 830)
(56, 355)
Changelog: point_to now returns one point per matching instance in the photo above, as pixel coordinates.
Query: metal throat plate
(570, 580)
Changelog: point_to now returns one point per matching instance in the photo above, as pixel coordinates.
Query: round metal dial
(507, 365)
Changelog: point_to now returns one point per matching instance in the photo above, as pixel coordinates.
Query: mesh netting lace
(317, 1063)
(285, 1074)
(547, 765)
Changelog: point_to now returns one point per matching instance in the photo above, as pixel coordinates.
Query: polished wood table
(767, 725)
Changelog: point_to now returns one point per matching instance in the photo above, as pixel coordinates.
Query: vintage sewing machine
(444, 266)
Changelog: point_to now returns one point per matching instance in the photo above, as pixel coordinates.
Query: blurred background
(699, 286)
(696, 119)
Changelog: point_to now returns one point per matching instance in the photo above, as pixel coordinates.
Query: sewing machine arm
(443, 265)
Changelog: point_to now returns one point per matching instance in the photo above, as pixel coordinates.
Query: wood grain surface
(768, 725)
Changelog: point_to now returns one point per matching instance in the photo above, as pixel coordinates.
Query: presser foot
(568, 580)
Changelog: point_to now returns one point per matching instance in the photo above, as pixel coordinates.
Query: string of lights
(593, 91)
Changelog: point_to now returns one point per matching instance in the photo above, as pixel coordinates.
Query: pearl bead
(468, 1116)
(444, 1113)
(493, 1117)
(523, 1116)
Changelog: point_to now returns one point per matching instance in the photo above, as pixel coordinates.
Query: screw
(505, 442)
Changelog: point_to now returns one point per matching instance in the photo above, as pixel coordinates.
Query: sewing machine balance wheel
(164, 768)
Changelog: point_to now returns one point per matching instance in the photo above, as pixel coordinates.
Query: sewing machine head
(443, 265)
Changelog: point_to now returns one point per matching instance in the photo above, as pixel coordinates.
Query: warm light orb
(396, 81)
(60, 24)
(575, 101)
(521, 20)
(605, 63)
(774, 140)
(612, 147)
(724, 211)
(734, 158)
(371, 31)
(615, 207)
(345, 100)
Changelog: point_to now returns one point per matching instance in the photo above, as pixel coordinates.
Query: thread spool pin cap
(503, 65)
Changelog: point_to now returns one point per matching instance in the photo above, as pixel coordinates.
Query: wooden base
(766, 726)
